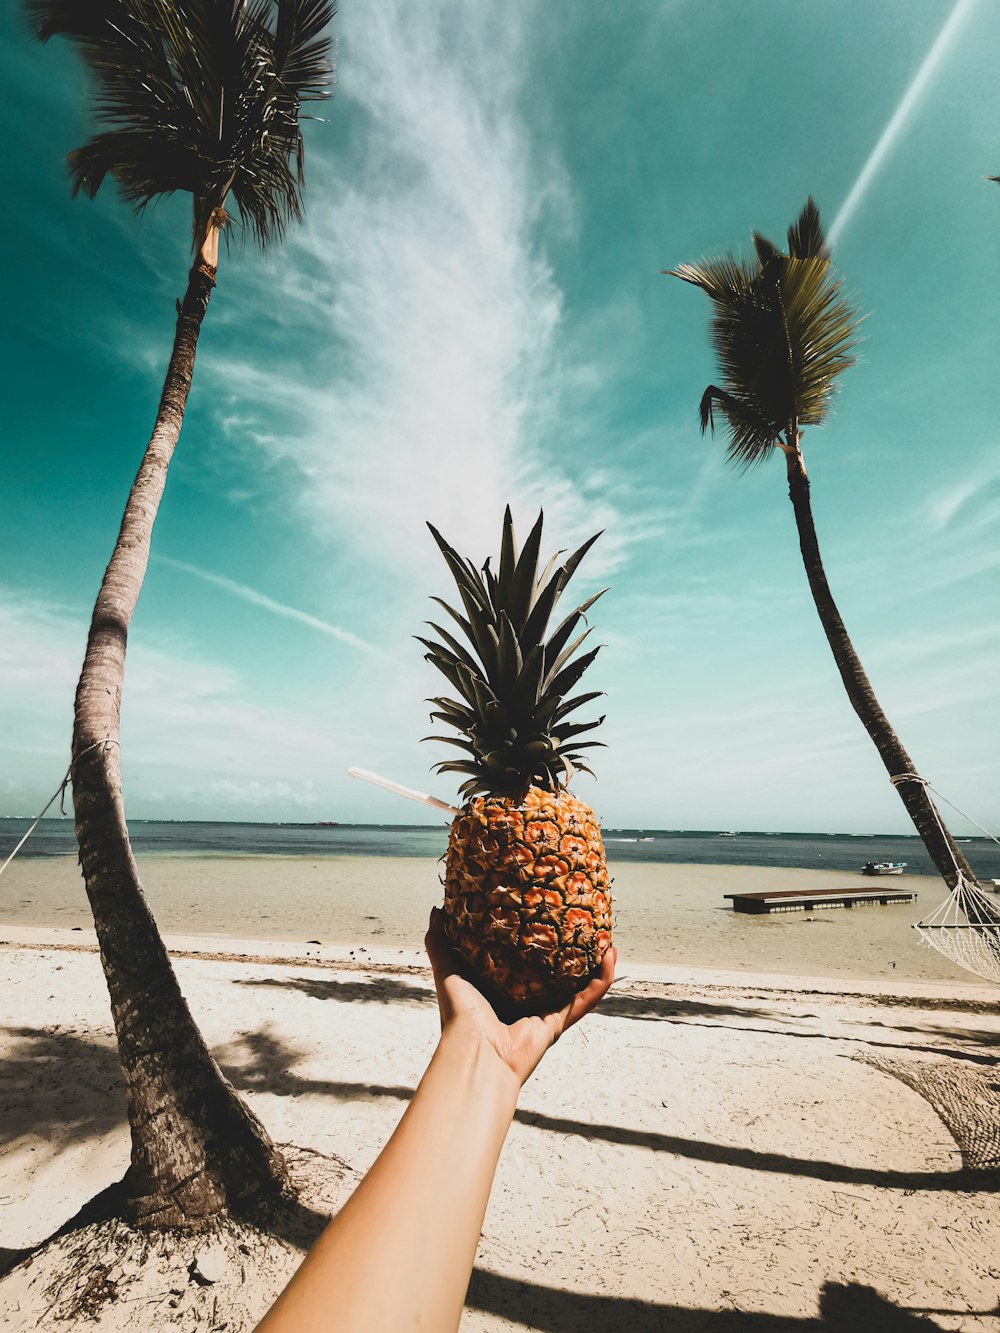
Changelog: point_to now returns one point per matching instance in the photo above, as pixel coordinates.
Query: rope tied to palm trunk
(966, 926)
(59, 794)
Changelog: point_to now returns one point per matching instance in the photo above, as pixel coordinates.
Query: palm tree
(202, 96)
(783, 333)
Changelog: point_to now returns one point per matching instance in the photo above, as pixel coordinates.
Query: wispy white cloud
(258, 794)
(256, 598)
(421, 270)
(188, 724)
(955, 501)
(41, 650)
(901, 117)
(911, 645)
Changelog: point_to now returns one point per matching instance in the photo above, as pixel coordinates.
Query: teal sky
(473, 313)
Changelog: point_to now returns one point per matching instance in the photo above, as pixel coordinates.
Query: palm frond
(766, 250)
(300, 48)
(751, 437)
(69, 18)
(820, 325)
(144, 166)
(782, 333)
(726, 280)
(805, 235)
(198, 95)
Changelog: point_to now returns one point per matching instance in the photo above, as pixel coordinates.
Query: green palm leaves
(198, 95)
(782, 333)
(513, 683)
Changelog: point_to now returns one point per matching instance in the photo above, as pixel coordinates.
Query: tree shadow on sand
(629, 1004)
(959, 1036)
(750, 1159)
(267, 1065)
(376, 990)
(270, 1068)
(843, 1308)
(619, 1004)
(712, 1014)
(652, 1008)
(37, 1097)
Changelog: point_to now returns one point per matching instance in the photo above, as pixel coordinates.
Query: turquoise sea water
(811, 851)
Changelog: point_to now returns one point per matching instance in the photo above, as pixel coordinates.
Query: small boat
(883, 867)
(727, 835)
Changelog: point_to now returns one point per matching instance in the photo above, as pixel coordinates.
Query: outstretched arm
(400, 1252)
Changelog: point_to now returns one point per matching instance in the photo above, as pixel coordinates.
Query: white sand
(693, 1150)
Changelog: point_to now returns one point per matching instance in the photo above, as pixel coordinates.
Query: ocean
(807, 851)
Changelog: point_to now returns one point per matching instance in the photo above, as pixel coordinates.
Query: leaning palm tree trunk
(196, 1148)
(784, 333)
(205, 98)
(943, 850)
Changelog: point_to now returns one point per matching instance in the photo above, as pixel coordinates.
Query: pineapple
(527, 897)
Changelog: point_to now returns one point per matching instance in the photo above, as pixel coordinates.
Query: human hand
(466, 1012)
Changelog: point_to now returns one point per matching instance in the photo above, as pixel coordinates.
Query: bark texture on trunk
(196, 1148)
(943, 850)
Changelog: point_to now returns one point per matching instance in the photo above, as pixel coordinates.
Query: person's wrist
(471, 1053)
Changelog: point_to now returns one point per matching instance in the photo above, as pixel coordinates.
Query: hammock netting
(966, 1099)
(966, 929)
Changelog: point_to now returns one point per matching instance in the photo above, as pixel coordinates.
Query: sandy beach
(666, 914)
(710, 1151)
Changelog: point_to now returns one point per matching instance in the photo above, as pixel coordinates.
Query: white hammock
(966, 926)
(966, 929)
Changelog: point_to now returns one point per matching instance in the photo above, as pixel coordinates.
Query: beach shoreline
(672, 915)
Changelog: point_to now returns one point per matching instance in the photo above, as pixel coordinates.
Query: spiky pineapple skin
(527, 896)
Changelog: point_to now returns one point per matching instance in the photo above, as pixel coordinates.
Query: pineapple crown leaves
(512, 682)
(782, 333)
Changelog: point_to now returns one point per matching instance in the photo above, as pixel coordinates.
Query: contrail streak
(268, 603)
(900, 117)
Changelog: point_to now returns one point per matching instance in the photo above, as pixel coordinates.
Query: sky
(473, 313)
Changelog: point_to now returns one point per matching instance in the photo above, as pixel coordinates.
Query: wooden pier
(791, 900)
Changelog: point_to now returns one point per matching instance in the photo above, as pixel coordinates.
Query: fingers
(555, 1024)
(442, 962)
(436, 944)
(455, 994)
(592, 994)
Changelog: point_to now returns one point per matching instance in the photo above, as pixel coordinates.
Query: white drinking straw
(408, 792)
